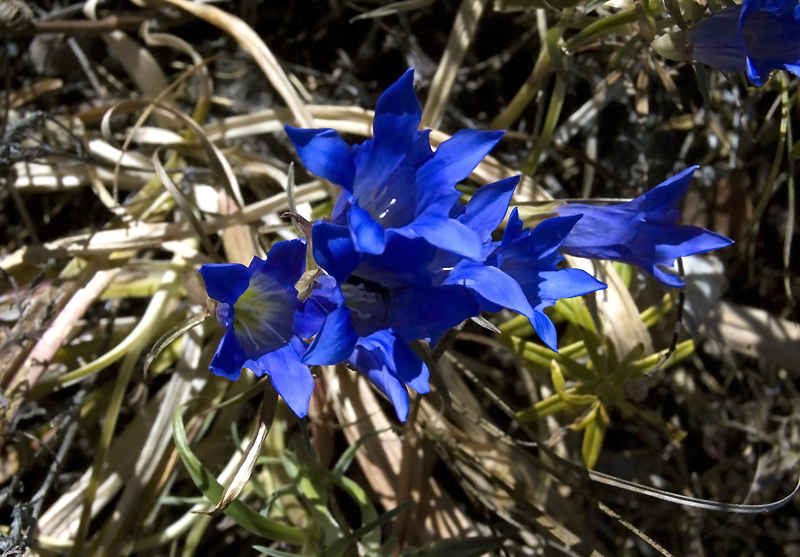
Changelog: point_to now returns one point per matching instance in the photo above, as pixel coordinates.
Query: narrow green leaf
(593, 441)
(340, 545)
(168, 338)
(347, 457)
(246, 517)
(546, 407)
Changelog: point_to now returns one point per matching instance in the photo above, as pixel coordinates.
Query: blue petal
(447, 234)
(325, 298)
(404, 262)
(668, 194)
(600, 226)
(747, 8)
(397, 110)
(539, 246)
(667, 278)
(335, 341)
(409, 368)
(229, 358)
(545, 329)
(290, 377)
(781, 8)
(286, 261)
(370, 359)
(420, 151)
(225, 282)
(756, 76)
(325, 154)
(334, 249)
(513, 229)
(488, 207)
(717, 42)
(428, 312)
(669, 243)
(492, 284)
(561, 283)
(397, 117)
(454, 160)
(368, 236)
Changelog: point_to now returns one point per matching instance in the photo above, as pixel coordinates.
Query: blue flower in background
(756, 37)
(394, 182)
(372, 307)
(520, 271)
(641, 232)
(264, 321)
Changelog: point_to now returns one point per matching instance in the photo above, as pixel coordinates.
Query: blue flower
(756, 37)
(264, 321)
(520, 271)
(394, 183)
(641, 232)
(373, 306)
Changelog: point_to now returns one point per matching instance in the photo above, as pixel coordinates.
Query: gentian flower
(374, 306)
(641, 232)
(264, 321)
(756, 37)
(520, 271)
(394, 183)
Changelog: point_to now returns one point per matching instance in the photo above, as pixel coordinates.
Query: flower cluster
(402, 260)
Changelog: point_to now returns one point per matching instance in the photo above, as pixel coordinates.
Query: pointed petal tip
(324, 153)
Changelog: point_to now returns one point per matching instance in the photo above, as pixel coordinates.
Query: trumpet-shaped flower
(520, 271)
(394, 182)
(264, 321)
(641, 232)
(756, 37)
(374, 306)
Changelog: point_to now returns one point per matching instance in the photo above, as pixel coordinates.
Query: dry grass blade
(756, 333)
(186, 208)
(187, 379)
(464, 29)
(393, 8)
(55, 335)
(386, 460)
(253, 45)
(622, 324)
(151, 235)
(29, 93)
(141, 66)
(205, 84)
(239, 240)
(218, 163)
(244, 468)
(60, 520)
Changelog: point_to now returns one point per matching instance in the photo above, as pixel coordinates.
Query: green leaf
(340, 545)
(593, 441)
(243, 515)
(347, 457)
(546, 407)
